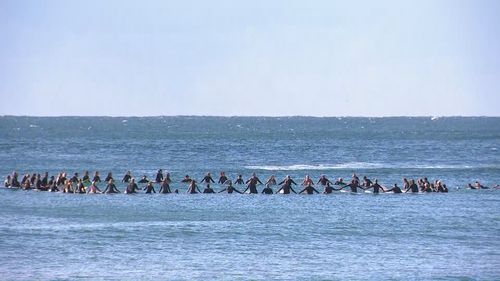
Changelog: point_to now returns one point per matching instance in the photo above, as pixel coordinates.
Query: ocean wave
(365, 166)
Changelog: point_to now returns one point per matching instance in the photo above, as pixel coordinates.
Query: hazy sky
(320, 58)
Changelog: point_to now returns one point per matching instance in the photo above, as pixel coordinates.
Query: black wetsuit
(376, 188)
(208, 190)
(252, 185)
(239, 181)
(108, 178)
(267, 190)
(222, 179)
(111, 188)
(309, 190)
(324, 181)
(97, 179)
(286, 189)
(353, 186)
(86, 178)
(126, 178)
(74, 179)
(159, 177)
(395, 189)
(144, 180)
(413, 188)
(207, 179)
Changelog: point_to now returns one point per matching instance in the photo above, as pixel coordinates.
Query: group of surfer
(86, 184)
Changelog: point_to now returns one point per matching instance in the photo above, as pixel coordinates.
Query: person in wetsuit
(93, 188)
(109, 177)
(230, 188)
(329, 189)
(309, 189)
(376, 187)
(307, 181)
(252, 184)
(149, 188)
(208, 189)
(165, 186)
(45, 179)
(80, 188)
(323, 180)
(239, 180)
(186, 179)
(193, 188)
(111, 187)
(86, 176)
(366, 183)
(131, 187)
(7, 181)
(412, 186)
(267, 190)
(286, 185)
(159, 176)
(74, 178)
(127, 177)
(271, 181)
(395, 189)
(144, 179)
(222, 178)
(288, 181)
(207, 179)
(96, 178)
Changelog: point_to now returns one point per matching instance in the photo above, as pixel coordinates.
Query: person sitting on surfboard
(149, 188)
(111, 187)
(109, 177)
(208, 189)
(131, 187)
(144, 179)
(186, 179)
(309, 189)
(323, 180)
(74, 178)
(353, 185)
(287, 180)
(395, 189)
(412, 186)
(230, 188)
(307, 181)
(222, 178)
(271, 180)
(287, 185)
(329, 189)
(86, 176)
(267, 190)
(159, 176)
(239, 180)
(207, 179)
(193, 188)
(96, 178)
(7, 181)
(165, 187)
(80, 188)
(252, 184)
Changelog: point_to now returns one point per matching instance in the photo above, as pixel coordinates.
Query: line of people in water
(86, 184)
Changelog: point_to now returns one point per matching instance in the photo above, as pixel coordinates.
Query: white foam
(362, 166)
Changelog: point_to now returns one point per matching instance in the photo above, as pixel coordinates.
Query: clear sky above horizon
(272, 58)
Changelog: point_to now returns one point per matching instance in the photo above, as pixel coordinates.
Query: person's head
(239, 176)
(395, 185)
(144, 177)
(128, 173)
(76, 174)
(132, 180)
(208, 173)
(412, 181)
(96, 173)
(110, 174)
(186, 176)
(254, 174)
(222, 173)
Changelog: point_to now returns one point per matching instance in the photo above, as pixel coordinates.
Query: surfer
(287, 185)
(395, 189)
(144, 179)
(131, 187)
(149, 188)
(74, 178)
(412, 186)
(80, 188)
(86, 176)
(353, 185)
(96, 178)
(323, 180)
(252, 184)
(186, 179)
(67, 187)
(222, 178)
(267, 190)
(366, 183)
(165, 186)
(159, 176)
(7, 181)
(271, 181)
(239, 180)
(93, 188)
(208, 189)
(329, 189)
(109, 177)
(111, 187)
(376, 187)
(230, 188)
(307, 181)
(207, 179)
(287, 180)
(309, 189)
(193, 188)
(127, 177)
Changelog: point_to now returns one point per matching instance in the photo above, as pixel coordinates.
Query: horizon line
(257, 116)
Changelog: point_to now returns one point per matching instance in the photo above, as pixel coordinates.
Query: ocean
(341, 236)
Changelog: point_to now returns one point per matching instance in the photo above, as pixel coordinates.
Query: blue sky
(273, 58)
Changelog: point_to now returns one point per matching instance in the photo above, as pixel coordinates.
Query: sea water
(320, 237)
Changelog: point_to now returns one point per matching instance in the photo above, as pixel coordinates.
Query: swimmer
(230, 188)
(193, 188)
(144, 179)
(395, 189)
(96, 178)
(323, 180)
(149, 188)
(376, 187)
(186, 179)
(127, 177)
(222, 178)
(271, 181)
(239, 180)
(208, 189)
(252, 184)
(309, 189)
(80, 188)
(307, 181)
(207, 179)
(159, 176)
(267, 189)
(165, 186)
(86, 176)
(111, 188)
(109, 177)
(412, 186)
(131, 187)
(93, 188)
